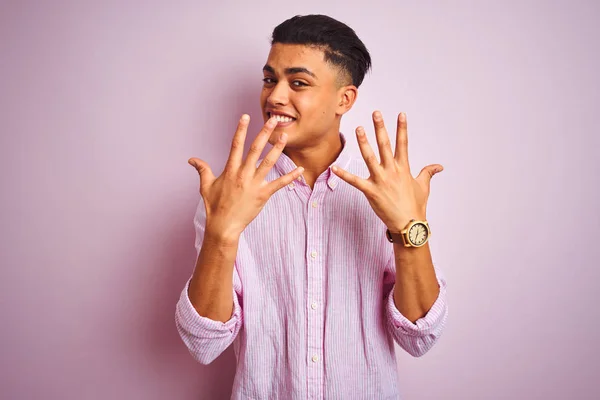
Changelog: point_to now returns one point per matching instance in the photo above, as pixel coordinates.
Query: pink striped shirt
(314, 315)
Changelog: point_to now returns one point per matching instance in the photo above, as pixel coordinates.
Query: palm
(238, 195)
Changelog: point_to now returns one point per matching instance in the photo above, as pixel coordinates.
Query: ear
(346, 98)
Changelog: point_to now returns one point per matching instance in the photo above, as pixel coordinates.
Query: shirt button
(315, 358)
(314, 204)
(292, 185)
(313, 305)
(331, 184)
(313, 254)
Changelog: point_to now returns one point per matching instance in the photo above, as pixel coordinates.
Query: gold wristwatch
(415, 234)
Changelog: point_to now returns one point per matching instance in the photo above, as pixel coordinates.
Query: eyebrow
(290, 71)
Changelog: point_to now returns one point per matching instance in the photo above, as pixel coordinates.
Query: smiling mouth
(281, 119)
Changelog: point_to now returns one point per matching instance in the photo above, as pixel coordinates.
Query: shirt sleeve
(419, 337)
(205, 338)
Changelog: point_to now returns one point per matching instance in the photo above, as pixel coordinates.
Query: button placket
(315, 265)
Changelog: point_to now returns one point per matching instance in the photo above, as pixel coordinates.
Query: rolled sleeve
(205, 338)
(198, 323)
(419, 337)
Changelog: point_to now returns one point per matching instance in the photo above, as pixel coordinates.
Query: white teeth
(282, 118)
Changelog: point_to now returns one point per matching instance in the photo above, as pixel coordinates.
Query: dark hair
(338, 41)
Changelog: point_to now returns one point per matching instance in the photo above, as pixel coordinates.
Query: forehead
(284, 56)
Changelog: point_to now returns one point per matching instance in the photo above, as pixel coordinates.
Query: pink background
(102, 104)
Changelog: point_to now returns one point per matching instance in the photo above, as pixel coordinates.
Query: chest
(314, 237)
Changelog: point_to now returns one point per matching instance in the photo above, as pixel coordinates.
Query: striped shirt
(314, 314)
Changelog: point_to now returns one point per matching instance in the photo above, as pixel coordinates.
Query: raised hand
(236, 197)
(396, 197)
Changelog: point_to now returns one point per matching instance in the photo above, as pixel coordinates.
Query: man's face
(299, 84)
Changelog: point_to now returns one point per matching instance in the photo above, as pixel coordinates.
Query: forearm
(211, 287)
(416, 286)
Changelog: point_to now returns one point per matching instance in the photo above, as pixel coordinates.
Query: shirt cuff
(203, 326)
(423, 326)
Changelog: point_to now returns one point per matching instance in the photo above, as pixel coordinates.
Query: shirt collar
(285, 165)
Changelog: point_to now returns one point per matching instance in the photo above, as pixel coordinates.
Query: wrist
(398, 226)
(220, 236)
(401, 224)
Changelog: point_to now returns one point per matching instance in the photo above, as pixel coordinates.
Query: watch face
(417, 234)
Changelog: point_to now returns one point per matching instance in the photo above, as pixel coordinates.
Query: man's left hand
(396, 197)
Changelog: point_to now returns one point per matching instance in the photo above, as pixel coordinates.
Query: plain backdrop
(103, 102)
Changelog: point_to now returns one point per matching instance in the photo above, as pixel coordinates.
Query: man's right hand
(236, 197)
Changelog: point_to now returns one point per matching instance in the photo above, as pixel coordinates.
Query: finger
(283, 181)
(402, 142)
(271, 158)
(206, 175)
(237, 144)
(428, 172)
(258, 145)
(367, 151)
(356, 181)
(383, 139)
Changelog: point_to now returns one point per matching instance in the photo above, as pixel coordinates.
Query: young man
(295, 265)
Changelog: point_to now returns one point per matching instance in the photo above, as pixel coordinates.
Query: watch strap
(402, 236)
(394, 237)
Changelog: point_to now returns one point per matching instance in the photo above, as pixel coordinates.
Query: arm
(208, 314)
(416, 286)
(211, 287)
(397, 197)
(416, 306)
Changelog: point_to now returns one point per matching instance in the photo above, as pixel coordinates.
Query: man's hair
(338, 41)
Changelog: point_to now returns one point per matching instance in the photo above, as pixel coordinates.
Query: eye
(299, 83)
(268, 81)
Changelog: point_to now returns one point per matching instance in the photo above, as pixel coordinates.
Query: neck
(316, 158)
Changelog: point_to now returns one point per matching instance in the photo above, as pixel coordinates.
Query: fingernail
(377, 116)
(360, 131)
(272, 122)
(402, 117)
(245, 118)
(284, 137)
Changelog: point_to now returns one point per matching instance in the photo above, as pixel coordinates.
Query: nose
(278, 95)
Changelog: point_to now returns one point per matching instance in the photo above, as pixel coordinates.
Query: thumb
(428, 172)
(206, 174)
